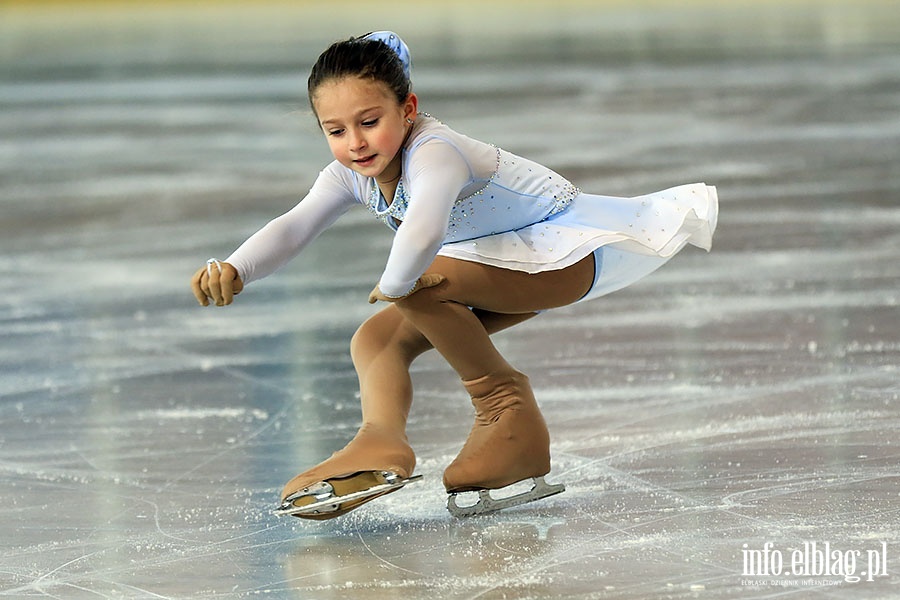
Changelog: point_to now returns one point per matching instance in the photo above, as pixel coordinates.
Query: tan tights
(509, 441)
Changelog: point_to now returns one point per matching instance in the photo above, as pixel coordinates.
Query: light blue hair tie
(394, 43)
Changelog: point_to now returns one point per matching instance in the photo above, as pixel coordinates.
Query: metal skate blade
(488, 504)
(321, 498)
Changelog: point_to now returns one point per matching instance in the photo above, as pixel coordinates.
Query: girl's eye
(335, 132)
(370, 123)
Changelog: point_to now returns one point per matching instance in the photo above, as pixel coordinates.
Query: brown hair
(360, 57)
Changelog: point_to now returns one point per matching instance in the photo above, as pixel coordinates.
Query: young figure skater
(484, 239)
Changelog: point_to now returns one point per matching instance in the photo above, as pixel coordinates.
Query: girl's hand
(217, 281)
(425, 281)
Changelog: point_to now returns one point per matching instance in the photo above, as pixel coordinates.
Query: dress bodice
(518, 193)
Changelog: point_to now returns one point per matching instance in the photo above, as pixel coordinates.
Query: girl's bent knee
(386, 333)
(372, 335)
(359, 342)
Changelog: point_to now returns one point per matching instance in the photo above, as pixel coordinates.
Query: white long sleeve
(284, 237)
(436, 173)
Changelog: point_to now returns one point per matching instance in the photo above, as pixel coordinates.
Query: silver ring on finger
(210, 263)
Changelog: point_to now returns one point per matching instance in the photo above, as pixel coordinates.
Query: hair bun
(396, 44)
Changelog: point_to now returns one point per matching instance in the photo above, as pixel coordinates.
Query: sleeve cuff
(397, 291)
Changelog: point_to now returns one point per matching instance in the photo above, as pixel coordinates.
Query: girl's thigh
(506, 291)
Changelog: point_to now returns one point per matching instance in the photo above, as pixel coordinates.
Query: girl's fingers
(230, 283)
(215, 292)
(197, 287)
(214, 276)
(430, 280)
(226, 287)
(217, 281)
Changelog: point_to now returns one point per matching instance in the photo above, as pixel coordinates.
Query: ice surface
(744, 397)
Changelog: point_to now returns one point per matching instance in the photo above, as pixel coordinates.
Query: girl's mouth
(366, 161)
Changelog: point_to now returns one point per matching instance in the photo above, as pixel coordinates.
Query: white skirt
(629, 237)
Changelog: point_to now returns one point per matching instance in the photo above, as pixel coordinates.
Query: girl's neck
(388, 179)
(382, 180)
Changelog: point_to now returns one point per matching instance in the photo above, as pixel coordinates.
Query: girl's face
(364, 124)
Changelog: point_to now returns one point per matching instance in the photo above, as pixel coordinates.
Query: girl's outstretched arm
(286, 236)
(278, 242)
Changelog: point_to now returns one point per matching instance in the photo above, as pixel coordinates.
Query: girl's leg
(442, 314)
(382, 349)
(509, 441)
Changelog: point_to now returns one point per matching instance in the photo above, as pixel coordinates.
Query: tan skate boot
(508, 443)
(373, 464)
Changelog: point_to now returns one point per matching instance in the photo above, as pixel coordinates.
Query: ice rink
(727, 428)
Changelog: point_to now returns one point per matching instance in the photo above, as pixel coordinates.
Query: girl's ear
(411, 106)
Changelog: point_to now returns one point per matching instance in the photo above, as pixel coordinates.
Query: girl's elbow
(422, 242)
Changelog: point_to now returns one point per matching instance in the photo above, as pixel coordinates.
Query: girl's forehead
(346, 91)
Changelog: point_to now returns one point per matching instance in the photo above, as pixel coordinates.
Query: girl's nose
(357, 141)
